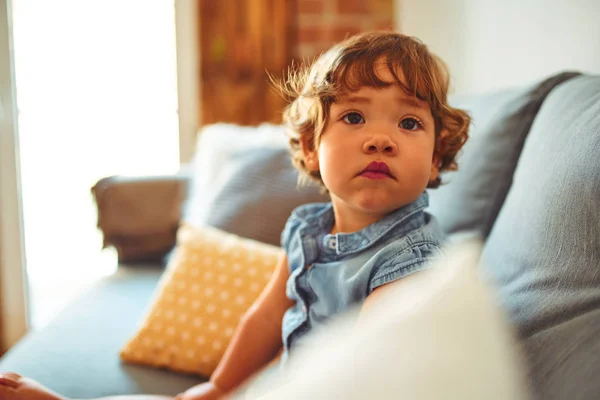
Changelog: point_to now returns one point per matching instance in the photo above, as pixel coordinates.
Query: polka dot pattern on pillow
(210, 282)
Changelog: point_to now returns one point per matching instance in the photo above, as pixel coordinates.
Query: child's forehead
(359, 82)
(363, 73)
(394, 92)
(380, 70)
(388, 73)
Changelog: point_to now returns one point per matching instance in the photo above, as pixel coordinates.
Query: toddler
(369, 122)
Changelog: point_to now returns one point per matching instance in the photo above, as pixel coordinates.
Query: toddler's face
(376, 152)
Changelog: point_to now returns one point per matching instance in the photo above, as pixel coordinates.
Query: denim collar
(319, 218)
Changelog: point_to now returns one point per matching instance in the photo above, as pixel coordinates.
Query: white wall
(490, 44)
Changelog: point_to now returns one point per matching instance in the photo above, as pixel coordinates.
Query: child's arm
(257, 339)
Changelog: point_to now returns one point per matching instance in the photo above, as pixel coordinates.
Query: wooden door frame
(14, 313)
(188, 76)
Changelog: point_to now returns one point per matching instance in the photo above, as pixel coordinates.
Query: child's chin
(377, 206)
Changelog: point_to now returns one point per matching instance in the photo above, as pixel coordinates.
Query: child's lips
(374, 175)
(376, 170)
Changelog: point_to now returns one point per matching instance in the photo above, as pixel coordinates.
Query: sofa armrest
(139, 216)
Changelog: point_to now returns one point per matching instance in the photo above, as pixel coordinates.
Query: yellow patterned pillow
(207, 287)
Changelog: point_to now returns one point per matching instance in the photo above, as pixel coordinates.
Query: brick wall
(322, 23)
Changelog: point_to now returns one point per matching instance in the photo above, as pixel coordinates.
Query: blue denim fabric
(329, 273)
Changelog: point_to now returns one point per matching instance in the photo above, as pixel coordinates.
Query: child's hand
(203, 391)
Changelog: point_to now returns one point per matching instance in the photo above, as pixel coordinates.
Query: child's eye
(353, 118)
(410, 124)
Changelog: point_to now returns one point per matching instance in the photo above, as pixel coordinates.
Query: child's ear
(435, 167)
(437, 156)
(311, 157)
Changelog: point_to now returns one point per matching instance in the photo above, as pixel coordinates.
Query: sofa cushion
(544, 249)
(243, 182)
(211, 280)
(469, 201)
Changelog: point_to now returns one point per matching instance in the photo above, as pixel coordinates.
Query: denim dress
(331, 272)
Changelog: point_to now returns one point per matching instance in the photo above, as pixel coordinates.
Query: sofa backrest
(470, 198)
(543, 252)
(528, 184)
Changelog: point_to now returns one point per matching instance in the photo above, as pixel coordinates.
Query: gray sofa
(528, 184)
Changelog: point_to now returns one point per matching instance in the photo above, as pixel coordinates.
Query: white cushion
(439, 335)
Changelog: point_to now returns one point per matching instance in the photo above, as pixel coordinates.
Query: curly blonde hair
(350, 65)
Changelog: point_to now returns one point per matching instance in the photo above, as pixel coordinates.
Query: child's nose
(380, 144)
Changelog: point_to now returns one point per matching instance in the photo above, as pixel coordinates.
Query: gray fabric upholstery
(470, 198)
(259, 196)
(77, 355)
(543, 252)
(563, 359)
